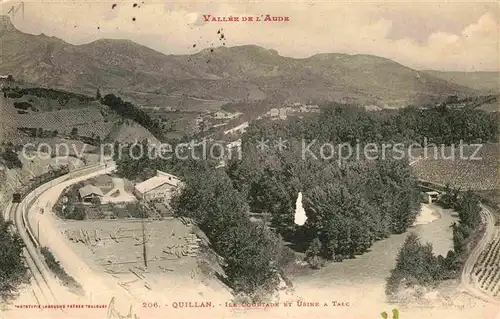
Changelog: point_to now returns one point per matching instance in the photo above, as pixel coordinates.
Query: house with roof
(160, 187)
(89, 193)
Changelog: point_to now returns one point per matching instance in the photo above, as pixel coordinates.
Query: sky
(457, 36)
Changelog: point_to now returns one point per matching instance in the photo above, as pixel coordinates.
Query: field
(48, 104)
(486, 272)
(60, 111)
(88, 121)
(477, 174)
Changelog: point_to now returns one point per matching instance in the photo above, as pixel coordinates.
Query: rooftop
(89, 190)
(160, 179)
(432, 193)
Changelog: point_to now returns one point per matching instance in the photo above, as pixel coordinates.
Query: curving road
(44, 281)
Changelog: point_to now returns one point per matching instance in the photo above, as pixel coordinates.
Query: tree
(415, 265)
(10, 158)
(98, 96)
(251, 253)
(74, 132)
(313, 254)
(12, 268)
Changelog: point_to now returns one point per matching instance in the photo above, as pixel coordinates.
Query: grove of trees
(12, 268)
(417, 265)
(350, 203)
(129, 111)
(9, 158)
(252, 253)
(338, 123)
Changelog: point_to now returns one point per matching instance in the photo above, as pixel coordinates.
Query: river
(375, 265)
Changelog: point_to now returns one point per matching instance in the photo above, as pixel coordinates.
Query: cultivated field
(47, 104)
(486, 271)
(88, 121)
(471, 173)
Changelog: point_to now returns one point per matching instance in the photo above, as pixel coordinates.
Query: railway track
(42, 288)
(17, 214)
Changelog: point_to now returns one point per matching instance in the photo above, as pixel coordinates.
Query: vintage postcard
(249, 159)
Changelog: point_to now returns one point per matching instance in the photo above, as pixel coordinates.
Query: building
(159, 187)
(432, 196)
(88, 193)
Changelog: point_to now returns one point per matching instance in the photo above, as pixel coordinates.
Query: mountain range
(229, 74)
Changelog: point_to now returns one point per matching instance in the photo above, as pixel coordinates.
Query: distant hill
(488, 82)
(237, 74)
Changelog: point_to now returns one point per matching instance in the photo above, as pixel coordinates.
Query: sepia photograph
(249, 159)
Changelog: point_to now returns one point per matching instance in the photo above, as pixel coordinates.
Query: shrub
(22, 105)
(58, 270)
(10, 158)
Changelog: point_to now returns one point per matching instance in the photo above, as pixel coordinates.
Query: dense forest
(253, 255)
(338, 123)
(350, 203)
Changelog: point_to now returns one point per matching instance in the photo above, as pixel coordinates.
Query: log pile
(83, 236)
(188, 248)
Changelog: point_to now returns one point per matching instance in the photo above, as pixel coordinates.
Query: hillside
(8, 121)
(245, 73)
(488, 82)
(38, 115)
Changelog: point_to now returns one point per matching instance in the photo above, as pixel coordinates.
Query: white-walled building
(162, 186)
